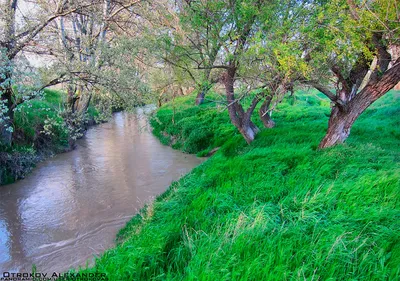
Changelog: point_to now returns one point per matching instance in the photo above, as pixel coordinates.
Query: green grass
(198, 129)
(192, 129)
(31, 115)
(275, 210)
(30, 144)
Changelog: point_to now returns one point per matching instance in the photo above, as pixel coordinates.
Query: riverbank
(42, 129)
(71, 206)
(275, 210)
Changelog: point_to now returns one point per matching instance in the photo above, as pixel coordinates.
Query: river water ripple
(72, 205)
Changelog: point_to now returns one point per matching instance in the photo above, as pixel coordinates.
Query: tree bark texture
(239, 118)
(343, 116)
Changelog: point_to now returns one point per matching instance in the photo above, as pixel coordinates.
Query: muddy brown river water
(71, 206)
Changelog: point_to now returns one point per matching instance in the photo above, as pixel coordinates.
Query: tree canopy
(256, 51)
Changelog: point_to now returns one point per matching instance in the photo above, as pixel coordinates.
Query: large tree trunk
(343, 116)
(248, 131)
(71, 97)
(340, 123)
(200, 97)
(239, 118)
(264, 115)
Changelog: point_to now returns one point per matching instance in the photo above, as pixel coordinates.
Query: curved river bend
(71, 206)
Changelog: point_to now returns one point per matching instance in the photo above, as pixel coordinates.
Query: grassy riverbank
(275, 210)
(41, 129)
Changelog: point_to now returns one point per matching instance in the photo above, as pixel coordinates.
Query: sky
(24, 10)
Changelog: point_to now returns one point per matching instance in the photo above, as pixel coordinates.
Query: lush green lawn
(276, 210)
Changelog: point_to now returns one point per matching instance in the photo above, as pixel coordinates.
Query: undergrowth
(41, 128)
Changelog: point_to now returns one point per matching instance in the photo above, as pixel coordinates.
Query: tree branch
(323, 90)
(32, 32)
(253, 105)
(184, 68)
(214, 66)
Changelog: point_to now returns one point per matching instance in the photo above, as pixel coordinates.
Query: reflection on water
(71, 207)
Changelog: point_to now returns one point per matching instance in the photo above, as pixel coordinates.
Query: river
(71, 206)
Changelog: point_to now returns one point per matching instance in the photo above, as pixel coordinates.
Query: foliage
(16, 162)
(44, 126)
(22, 80)
(5, 67)
(341, 31)
(31, 116)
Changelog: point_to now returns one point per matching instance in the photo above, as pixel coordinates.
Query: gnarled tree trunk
(249, 131)
(264, 115)
(340, 123)
(343, 116)
(240, 118)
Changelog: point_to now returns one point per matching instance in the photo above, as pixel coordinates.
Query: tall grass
(30, 143)
(31, 116)
(275, 210)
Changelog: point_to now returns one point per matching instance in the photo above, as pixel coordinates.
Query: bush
(15, 163)
(42, 127)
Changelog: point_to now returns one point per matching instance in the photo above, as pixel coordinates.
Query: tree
(253, 54)
(175, 46)
(83, 57)
(14, 38)
(354, 43)
(201, 48)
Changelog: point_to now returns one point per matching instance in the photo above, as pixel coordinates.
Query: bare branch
(31, 33)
